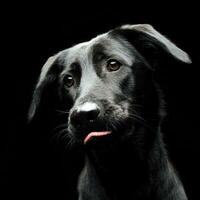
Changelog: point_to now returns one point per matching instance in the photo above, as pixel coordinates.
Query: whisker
(57, 128)
(141, 120)
(138, 106)
(65, 136)
(70, 143)
(62, 111)
(113, 126)
(137, 116)
(61, 134)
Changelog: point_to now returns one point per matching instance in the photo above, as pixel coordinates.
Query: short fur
(131, 162)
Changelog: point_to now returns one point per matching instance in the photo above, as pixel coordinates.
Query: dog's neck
(131, 152)
(120, 167)
(126, 172)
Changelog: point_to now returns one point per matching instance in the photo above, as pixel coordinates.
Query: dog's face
(98, 78)
(107, 83)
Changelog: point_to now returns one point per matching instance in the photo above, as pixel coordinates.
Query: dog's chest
(90, 188)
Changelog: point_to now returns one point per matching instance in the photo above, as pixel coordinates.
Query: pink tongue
(95, 134)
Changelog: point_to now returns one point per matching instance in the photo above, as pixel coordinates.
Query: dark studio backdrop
(33, 165)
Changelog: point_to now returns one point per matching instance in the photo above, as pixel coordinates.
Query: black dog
(114, 108)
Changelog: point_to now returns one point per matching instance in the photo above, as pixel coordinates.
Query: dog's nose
(85, 113)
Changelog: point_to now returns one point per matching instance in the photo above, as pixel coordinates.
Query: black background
(34, 166)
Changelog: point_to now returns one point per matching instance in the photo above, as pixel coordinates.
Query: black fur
(131, 162)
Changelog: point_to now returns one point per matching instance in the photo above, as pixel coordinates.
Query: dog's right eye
(68, 80)
(113, 65)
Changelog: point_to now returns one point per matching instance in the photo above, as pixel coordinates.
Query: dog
(114, 108)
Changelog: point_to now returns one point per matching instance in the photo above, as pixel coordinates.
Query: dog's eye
(68, 80)
(113, 65)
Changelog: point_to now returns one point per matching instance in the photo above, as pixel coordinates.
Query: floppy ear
(153, 36)
(47, 76)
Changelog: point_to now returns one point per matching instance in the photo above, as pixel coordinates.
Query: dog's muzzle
(85, 122)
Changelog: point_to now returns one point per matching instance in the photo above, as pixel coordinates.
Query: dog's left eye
(113, 65)
(68, 80)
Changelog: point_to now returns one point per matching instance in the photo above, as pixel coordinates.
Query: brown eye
(113, 65)
(68, 80)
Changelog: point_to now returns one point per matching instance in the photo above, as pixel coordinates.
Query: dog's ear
(144, 37)
(47, 76)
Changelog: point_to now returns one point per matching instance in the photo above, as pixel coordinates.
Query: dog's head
(107, 83)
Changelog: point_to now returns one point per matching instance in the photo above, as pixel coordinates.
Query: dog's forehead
(85, 47)
(111, 45)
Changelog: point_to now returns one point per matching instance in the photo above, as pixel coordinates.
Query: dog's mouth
(98, 134)
(101, 133)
